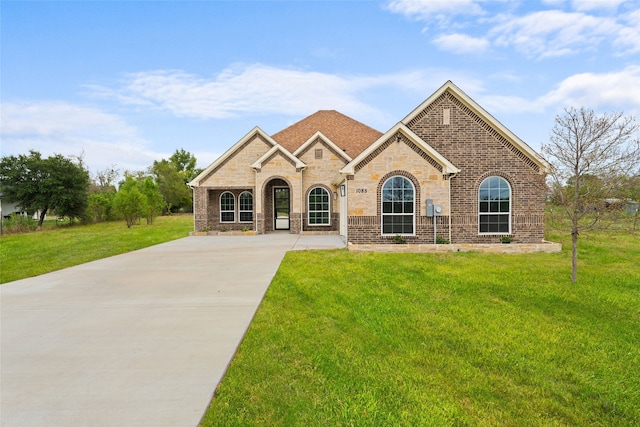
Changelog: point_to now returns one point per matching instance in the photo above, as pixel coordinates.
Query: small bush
(441, 240)
(398, 240)
(17, 223)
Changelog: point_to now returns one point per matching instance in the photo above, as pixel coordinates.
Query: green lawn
(372, 339)
(56, 247)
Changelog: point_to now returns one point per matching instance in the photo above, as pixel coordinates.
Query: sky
(124, 83)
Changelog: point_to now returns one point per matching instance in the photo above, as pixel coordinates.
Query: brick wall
(481, 151)
(213, 211)
(368, 230)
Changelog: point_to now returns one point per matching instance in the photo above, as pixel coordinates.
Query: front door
(281, 208)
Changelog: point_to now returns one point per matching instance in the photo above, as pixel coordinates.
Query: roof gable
(348, 135)
(258, 164)
(506, 135)
(256, 131)
(399, 131)
(324, 140)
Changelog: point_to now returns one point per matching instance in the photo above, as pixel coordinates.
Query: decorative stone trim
(514, 248)
(223, 233)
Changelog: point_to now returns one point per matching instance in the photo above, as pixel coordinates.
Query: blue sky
(124, 83)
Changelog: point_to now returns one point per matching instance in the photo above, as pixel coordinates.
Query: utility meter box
(429, 207)
(432, 209)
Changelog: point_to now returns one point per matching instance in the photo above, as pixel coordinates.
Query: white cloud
(627, 41)
(588, 5)
(260, 89)
(58, 127)
(617, 89)
(441, 10)
(461, 43)
(257, 89)
(542, 34)
(553, 33)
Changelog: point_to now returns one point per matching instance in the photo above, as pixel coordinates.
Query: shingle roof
(347, 133)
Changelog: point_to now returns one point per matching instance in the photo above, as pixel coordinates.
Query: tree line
(63, 186)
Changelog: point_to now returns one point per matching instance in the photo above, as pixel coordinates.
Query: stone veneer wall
(480, 151)
(396, 158)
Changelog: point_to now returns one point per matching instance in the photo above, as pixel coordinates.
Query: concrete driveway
(139, 339)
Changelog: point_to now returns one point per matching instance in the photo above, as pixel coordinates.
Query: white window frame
(240, 210)
(508, 214)
(328, 211)
(227, 210)
(383, 214)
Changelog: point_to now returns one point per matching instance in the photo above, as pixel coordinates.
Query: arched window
(227, 207)
(398, 206)
(319, 209)
(245, 207)
(494, 207)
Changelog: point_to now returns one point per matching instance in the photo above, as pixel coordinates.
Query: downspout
(346, 212)
(451, 176)
(255, 201)
(193, 204)
(302, 202)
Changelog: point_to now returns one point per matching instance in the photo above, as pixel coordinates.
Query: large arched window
(398, 206)
(245, 207)
(227, 207)
(319, 208)
(494, 207)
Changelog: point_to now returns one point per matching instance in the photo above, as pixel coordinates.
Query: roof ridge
(347, 133)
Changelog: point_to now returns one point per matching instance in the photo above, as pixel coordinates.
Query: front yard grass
(373, 339)
(53, 248)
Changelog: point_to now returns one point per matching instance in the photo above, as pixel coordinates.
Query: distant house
(7, 208)
(447, 164)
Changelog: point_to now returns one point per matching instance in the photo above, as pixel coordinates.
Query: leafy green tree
(172, 185)
(185, 164)
(52, 184)
(589, 153)
(155, 201)
(102, 191)
(172, 177)
(130, 202)
(100, 207)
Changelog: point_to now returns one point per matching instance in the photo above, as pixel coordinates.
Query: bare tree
(589, 154)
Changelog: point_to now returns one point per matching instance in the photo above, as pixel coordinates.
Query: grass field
(56, 247)
(372, 339)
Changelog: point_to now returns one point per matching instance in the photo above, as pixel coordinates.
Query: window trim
(508, 214)
(240, 210)
(382, 213)
(328, 194)
(227, 210)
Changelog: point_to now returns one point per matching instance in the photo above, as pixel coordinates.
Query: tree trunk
(42, 215)
(574, 253)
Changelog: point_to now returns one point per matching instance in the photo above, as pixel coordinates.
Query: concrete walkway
(140, 339)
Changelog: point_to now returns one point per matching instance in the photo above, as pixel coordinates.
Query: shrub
(17, 223)
(441, 240)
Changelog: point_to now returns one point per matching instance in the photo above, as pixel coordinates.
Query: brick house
(448, 165)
